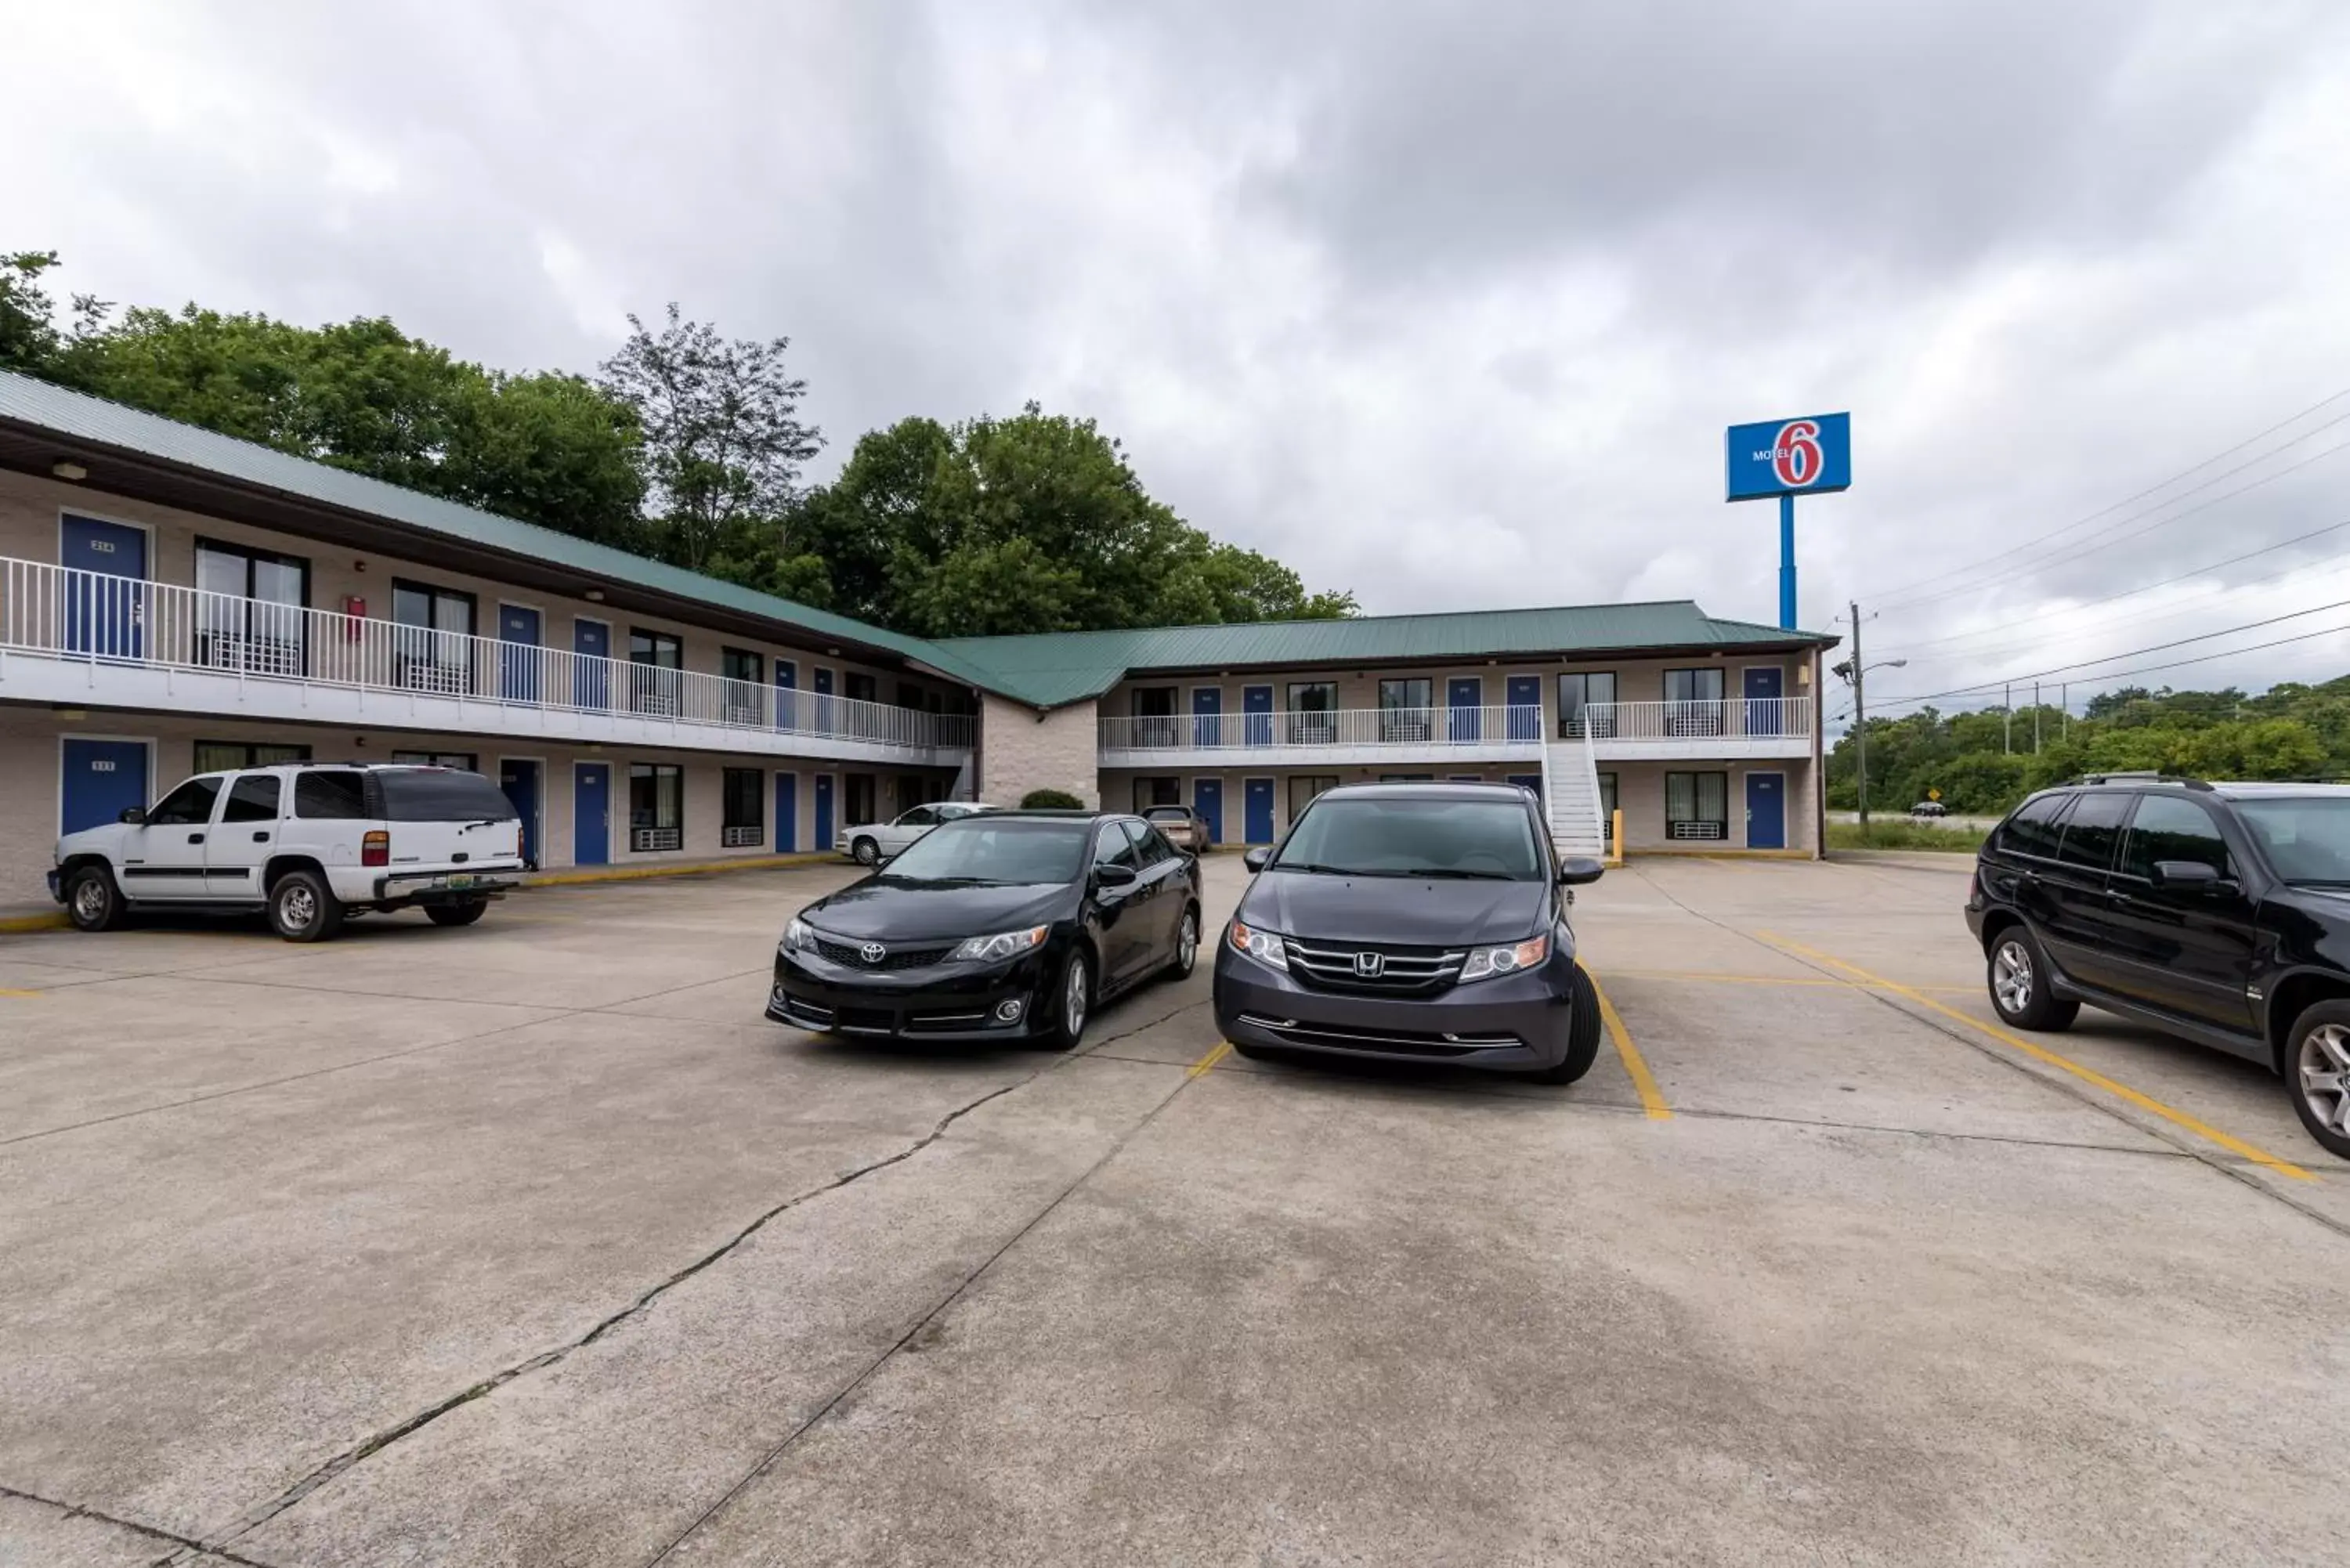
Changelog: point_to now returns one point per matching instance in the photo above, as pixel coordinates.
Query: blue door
(1762, 707)
(1766, 811)
(518, 659)
(787, 680)
(822, 727)
(591, 814)
(1531, 781)
(1256, 810)
(787, 811)
(1465, 696)
(591, 677)
(823, 807)
(519, 779)
(1208, 800)
(105, 609)
(1525, 707)
(100, 779)
(1207, 707)
(1256, 710)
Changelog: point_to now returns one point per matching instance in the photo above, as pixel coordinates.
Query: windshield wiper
(1455, 873)
(1315, 868)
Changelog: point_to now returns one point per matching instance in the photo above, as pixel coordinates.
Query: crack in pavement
(253, 1518)
(181, 1544)
(768, 1461)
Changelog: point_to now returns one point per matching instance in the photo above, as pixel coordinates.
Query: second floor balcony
(1718, 727)
(85, 638)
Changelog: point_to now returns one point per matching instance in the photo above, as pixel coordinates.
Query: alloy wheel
(89, 899)
(297, 907)
(1187, 943)
(2011, 976)
(1074, 1001)
(2324, 1069)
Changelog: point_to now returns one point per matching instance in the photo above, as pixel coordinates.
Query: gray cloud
(1446, 304)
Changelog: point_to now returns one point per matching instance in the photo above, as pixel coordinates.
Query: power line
(2149, 587)
(2173, 664)
(2099, 540)
(2133, 653)
(2131, 500)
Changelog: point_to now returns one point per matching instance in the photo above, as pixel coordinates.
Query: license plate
(459, 881)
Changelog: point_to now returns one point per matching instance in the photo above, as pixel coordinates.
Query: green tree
(723, 440)
(1033, 522)
(28, 334)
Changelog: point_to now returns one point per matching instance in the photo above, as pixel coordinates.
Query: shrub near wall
(1050, 800)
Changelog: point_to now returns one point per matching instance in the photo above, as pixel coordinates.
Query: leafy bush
(1898, 833)
(1051, 800)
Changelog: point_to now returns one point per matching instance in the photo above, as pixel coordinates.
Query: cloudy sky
(1445, 304)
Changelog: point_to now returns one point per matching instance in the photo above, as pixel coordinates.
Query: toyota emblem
(872, 953)
(1370, 966)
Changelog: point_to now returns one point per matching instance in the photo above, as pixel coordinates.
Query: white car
(872, 843)
(309, 842)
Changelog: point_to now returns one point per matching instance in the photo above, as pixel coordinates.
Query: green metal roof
(1053, 668)
(78, 416)
(1045, 669)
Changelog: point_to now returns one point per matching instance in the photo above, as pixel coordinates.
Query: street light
(1856, 676)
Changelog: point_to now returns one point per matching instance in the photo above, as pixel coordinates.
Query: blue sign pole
(1787, 560)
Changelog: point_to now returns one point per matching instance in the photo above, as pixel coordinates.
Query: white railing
(1416, 729)
(1739, 718)
(69, 614)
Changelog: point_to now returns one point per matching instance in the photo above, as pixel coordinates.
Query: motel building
(174, 601)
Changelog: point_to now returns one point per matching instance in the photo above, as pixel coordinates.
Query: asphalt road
(533, 1244)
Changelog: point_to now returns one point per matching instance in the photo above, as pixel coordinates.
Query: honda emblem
(1370, 966)
(872, 953)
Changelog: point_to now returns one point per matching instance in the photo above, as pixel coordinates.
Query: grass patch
(1900, 833)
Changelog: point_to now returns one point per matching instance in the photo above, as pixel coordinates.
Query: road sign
(1790, 457)
(1933, 794)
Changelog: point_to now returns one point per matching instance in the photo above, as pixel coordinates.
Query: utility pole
(1859, 718)
(2035, 718)
(2007, 720)
(2064, 700)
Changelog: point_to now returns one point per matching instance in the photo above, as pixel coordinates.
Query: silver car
(872, 843)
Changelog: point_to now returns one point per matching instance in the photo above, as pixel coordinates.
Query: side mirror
(2190, 877)
(133, 814)
(1574, 870)
(1254, 859)
(1116, 876)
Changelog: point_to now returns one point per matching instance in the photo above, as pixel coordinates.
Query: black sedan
(1006, 925)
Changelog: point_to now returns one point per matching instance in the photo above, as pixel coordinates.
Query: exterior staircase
(1571, 796)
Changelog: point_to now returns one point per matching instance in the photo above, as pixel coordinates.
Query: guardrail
(1739, 718)
(1402, 728)
(67, 613)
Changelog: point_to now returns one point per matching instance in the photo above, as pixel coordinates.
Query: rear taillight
(375, 849)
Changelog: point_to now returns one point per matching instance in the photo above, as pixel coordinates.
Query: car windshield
(985, 849)
(1404, 836)
(2305, 837)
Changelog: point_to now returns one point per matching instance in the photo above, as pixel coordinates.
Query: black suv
(2216, 911)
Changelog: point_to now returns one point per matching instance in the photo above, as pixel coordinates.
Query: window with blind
(656, 807)
(1696, 806)
(742, 793)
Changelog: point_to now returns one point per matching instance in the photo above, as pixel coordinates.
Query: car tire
(864, 851)
(93, 903)
(1582, 1033)
(2317, 1073)
(303, 908)
(1072, 1001)
(464, 914)
(1187, 945)
(2016, 971)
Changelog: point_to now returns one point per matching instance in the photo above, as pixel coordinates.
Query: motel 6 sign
(1791, 457)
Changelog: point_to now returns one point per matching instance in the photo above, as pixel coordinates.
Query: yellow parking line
(1652, 1099)
(1208, 1062)
(5, 991)
(2180, 1119)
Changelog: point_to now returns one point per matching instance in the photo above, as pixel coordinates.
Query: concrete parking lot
(534, 1244)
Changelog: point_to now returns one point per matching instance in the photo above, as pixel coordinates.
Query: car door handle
(262, 838)
(195, 838)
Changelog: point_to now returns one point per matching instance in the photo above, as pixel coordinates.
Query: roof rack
(2142, 776)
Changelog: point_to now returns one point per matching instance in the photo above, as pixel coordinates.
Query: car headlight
(1484, 963)
(797, 935)
(1264, 946)
(1001, 945)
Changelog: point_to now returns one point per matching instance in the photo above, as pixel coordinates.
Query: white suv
(309, 842)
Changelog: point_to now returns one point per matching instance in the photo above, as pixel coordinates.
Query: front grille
(897, 958)
(867, 1020)
(1389, 1042)
(1403, 971)
(799, 1007)
(945, 1023)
